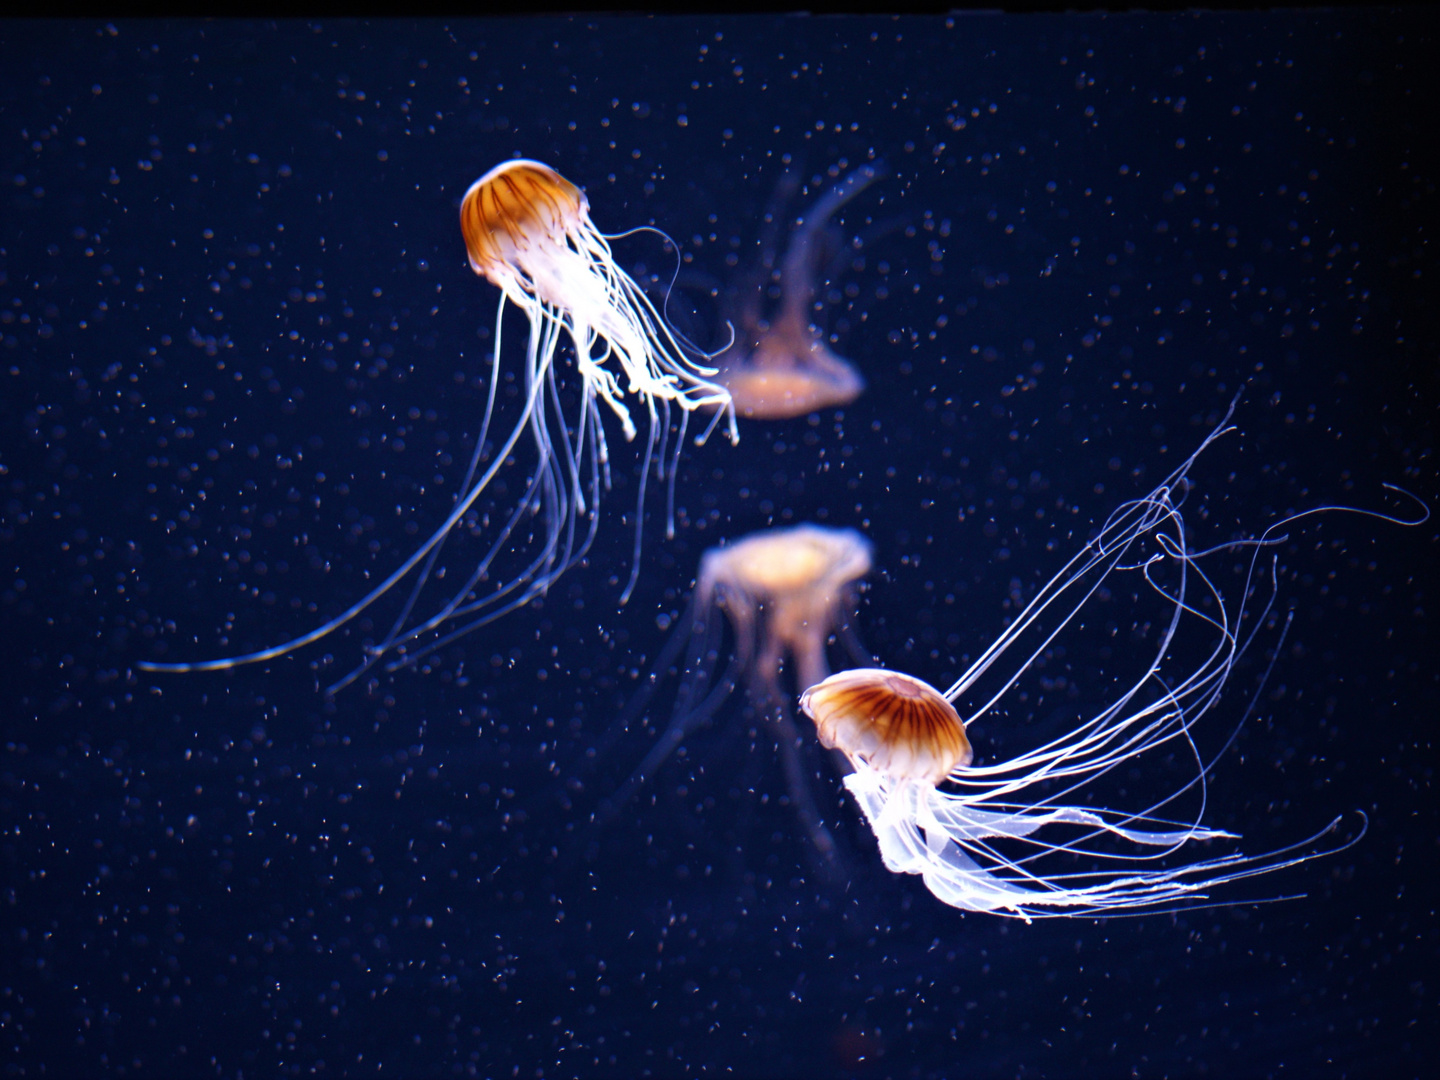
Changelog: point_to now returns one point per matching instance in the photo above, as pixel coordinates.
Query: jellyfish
(783, 368)
(784, 592)
(528, 231)
(1030, 836)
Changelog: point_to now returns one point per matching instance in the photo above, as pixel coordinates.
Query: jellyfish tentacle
(424, 575)
(798, 784)
(397, 575)
(535, 579)
(849, 636)
(679, 729)
(645, 463)
(541, 489)
(697, 632)
(674, 473)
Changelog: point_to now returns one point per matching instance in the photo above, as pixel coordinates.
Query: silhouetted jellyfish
(1011, 837)
(783, 367)
(528, 231)
(784, 592)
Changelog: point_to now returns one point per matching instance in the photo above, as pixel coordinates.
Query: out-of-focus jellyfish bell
(1031, 835)
(784, 593)
(528, 230)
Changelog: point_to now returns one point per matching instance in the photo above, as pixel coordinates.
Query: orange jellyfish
(784, 593)
(783, 367)
(1032, 835)
(528, 231)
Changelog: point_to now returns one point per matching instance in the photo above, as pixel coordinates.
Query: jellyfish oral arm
(920, 832)
(909, 844)
(799, 270)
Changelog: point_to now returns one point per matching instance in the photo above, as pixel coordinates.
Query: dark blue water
(242, 365)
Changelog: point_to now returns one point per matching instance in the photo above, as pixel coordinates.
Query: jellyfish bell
(1030, 835)
(889, 721)
(528, 231)
(809, 559)
(784, 593)
(789, 374)
(507, 213)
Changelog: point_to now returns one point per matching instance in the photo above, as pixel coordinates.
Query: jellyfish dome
(892, 722)
(784, 591)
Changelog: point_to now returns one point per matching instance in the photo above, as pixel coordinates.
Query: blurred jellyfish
(528, 231)
(785, 593)
(783, 367)
(1008, 837)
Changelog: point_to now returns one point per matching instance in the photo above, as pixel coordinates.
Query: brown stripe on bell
(891, 721)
